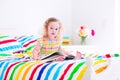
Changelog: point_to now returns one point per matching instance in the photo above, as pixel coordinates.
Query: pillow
(28, 43)
(9, 46)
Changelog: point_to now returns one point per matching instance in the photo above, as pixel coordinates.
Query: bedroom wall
(18, 17)
(98, 14)
(117, 24)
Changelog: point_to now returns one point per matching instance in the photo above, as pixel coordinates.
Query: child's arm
(36, 54)
(66, 53)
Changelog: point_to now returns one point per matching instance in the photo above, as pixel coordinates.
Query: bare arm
(78, 54)
(36, 54)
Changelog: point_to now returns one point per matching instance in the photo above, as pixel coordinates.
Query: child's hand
(78, 55)
(60, 58)
(36, 56)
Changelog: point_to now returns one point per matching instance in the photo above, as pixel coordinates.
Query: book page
(51, 56)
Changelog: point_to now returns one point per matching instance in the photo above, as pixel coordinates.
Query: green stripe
(3, 36)
(29, 48)
(75, 70)
(15, 68)
(4, 54)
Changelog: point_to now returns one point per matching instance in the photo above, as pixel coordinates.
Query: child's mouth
(53, 33)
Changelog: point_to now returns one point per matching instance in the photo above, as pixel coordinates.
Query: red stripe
(29, 43)
(33, 72)
(6, 74)
(8, 69)
(7, 41)
(65, 71)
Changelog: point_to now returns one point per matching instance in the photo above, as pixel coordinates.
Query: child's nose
(53, 30)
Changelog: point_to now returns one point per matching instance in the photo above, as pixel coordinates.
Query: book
(51, 57)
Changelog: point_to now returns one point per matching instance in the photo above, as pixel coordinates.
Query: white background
(21, 17)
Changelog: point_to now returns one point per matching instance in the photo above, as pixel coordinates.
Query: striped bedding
(28, 42)
(9, 46)
(27, 69)
(18, 67)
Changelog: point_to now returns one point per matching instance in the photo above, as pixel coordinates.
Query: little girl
(50, 42)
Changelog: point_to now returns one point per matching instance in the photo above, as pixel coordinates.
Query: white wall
(27, 16)
(19, 17)
(98, 14)
(117, 24)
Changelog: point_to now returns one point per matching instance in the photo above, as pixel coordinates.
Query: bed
(26, 69)
(16, 63)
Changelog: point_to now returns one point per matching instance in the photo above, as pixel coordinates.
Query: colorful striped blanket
(27, 69)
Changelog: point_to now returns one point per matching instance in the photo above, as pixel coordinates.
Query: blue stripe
(49, 71)
(57, 72)
(10, 47)
(3, 70)
(41, 71)
(27, 40)
(20, 38)
(24, 40)
(1, 64)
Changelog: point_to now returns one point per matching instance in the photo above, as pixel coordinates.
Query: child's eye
(56, 29)
(51, 28)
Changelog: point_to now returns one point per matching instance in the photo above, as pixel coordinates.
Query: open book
(51, 57)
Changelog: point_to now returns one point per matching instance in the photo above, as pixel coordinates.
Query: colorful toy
(65, 40)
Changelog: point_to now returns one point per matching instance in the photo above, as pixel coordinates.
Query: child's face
(53, 29)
